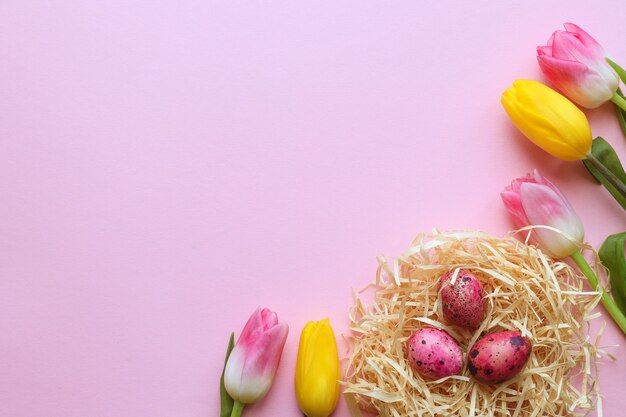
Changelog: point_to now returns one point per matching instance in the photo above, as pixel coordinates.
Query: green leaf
(602, 150)
(621, 114)
(619, 70)
(613, 258)
(227, 401)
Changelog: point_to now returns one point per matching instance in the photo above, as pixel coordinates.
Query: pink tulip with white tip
(576, 64)
(252, 364)
(535, 201)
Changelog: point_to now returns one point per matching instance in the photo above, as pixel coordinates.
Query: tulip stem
(607, 301)
(238, 407)
(619, 101)
(607, 173)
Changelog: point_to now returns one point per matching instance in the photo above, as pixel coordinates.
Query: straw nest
(525, 291)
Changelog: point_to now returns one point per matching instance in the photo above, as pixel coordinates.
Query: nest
(525, 291)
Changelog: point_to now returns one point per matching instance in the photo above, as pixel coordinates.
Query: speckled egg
(498, 357)
(434, 354)
(462, 302)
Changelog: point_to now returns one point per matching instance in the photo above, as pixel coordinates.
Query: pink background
(168, 166)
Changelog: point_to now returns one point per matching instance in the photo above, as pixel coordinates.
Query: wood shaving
(525, 291)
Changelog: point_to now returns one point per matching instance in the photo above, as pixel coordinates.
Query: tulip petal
(556, 69)
(548, 119)
(513, 204)
(260, 321)
(512, 199)
(583, 85)
(233, 373)
(567, 46)
(268, 318)
(303, 363)
(544, 50)
(586, 39)
(252, 328)
(544, 206)
(317, 370)
(552, 105)
(542, 132)
(261, 358)
(540, 179)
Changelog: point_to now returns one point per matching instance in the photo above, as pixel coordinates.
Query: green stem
(238, 408)
(619, 101)
(607, 173)
(607, 301)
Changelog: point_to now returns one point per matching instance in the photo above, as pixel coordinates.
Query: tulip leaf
(621, 114)
(604, 152)
(226, 400)
(619, 70)
(613, 258)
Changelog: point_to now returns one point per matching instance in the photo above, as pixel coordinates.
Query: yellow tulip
(317, 370)
(548, 119)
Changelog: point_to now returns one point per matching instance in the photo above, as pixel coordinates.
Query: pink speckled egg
(498, 357)
(462, 302)
(434, 354)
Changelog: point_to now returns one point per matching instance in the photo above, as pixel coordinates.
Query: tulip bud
(317, 370)
(576, 64)
(535, 201)
(253, 362)
(548, 119)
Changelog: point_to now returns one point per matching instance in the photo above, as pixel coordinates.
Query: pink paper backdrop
(168, 166)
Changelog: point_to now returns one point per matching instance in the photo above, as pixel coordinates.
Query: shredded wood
(525, 291)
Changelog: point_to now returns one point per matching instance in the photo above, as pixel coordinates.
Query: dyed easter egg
(434, 354)
(462, 302)
(498, 357)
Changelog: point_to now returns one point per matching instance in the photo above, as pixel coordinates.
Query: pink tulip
(535, 201)
(574, 62)
(252, 364)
